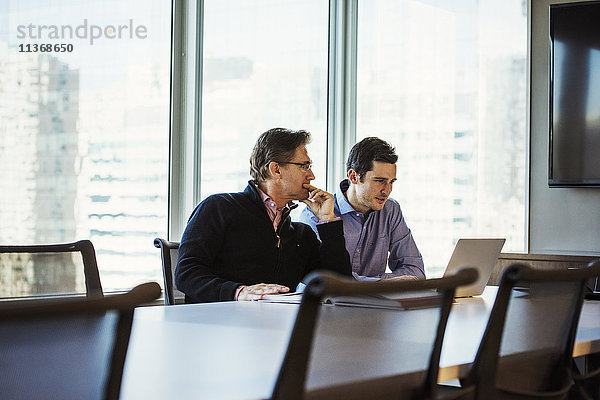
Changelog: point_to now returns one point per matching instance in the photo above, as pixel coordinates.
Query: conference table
(233, 350)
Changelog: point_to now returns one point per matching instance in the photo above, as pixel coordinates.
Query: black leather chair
(67, 348)
(84, 247)
(169, 252)
(587, 384)
(526, 350)
(429, 334)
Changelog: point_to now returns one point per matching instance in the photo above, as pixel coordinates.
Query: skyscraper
(38, 157)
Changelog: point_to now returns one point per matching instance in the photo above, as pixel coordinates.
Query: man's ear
(353, 176)
(274, 169)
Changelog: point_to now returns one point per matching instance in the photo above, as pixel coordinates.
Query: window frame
(186, 105)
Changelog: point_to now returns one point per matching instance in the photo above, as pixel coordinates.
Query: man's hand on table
(256, 292)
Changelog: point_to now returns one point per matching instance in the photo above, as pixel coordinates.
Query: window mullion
(341, 123)
(186, 113)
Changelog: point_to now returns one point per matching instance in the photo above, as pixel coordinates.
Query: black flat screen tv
(574, 157)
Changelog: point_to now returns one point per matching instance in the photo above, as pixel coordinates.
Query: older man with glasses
(242, 246)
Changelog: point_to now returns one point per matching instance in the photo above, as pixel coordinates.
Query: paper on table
(402, 301)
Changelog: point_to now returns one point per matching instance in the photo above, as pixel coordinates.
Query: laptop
(480, 254)
(593, 290)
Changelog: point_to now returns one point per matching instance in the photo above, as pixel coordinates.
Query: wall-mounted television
(574, 157)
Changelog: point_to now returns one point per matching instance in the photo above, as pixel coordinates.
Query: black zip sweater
(230, 241)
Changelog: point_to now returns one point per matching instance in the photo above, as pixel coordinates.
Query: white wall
(561, 220)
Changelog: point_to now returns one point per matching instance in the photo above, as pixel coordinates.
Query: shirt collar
(342, 201)
(266, 199)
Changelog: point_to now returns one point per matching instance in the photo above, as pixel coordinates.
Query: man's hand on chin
(320, 202)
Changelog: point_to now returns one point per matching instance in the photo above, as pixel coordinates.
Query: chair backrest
(587, 381)
(67, 348)
(526, 350)
(169, 251)
(45, 256)
(428, 330)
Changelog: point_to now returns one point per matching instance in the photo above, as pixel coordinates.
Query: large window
(84, 133)
(265, 66)
(445, 83)
(84, 126)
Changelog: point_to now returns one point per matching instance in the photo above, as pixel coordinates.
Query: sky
(101, 55)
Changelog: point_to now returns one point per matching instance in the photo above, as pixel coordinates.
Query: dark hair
(366, 151)
(277, 144)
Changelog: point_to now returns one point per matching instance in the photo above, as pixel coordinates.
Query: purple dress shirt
(380, 240)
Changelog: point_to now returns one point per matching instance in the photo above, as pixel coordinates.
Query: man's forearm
(406, 269)
(200, 285)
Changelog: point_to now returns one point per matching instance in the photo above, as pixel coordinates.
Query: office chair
(44, 253)
(527, 347)
(67, 348)
(429, 328)
(169, 252)
(587, 384)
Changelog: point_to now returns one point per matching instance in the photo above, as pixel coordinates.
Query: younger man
(373, 223)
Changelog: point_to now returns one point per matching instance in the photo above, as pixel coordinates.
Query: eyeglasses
(305, 165)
